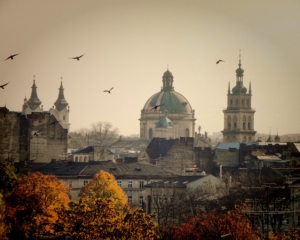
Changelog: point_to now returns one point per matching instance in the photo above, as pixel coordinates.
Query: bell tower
(239, 115)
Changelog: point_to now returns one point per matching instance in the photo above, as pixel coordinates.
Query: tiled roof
(227, 145)
(129, 143)
(69, 168)
(80, 169)
(159, 147)
(130, 169)
(85, 150)
(178, 182)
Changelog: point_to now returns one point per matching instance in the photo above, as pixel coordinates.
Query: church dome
(167, 74)
(170, 100)
(173, 102)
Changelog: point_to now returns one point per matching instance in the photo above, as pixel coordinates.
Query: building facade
(239, 115)
(35, 134)
(167, 114)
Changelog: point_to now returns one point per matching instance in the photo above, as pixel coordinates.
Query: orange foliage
(104, 186)
(33, 205)
(99, 220)
(2, 218)
(234, 225)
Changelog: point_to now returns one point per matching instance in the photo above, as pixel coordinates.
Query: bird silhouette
(2, 86)
(156, 106)
(36, 134)
(77, 57)
(108, 90)
(53, 123)
(11, 56)
(219, 61)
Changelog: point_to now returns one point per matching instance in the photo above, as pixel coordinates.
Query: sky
(129, 44)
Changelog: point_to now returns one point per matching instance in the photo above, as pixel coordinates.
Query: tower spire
(34, 101)
(61, 102)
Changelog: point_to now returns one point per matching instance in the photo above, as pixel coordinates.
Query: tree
(7, 175)
(3, 226)
(100, 220)
(211, 225)
(104, 186)
(33, 205)
(102, 134)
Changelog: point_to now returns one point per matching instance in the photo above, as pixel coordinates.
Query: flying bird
(2, 86)
(219, 61)
(108, 90)
(11, 56)
(156, 106)
(77, 57)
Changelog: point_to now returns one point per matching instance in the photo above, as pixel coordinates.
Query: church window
(64, 117)
(76, 159)
(248, 102)
(244, 122)
(231, 102)
(236, 102)
(187, 132)
(150, 133)
(249, 122)
(244, 139)
(250, 140)
(242, 101)
(229, 122)
(234, 122)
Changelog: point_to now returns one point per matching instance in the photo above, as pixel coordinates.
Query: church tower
(239, 115)
(34, 103)
(61, 109)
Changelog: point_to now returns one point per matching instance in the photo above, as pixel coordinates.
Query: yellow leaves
(104, 185)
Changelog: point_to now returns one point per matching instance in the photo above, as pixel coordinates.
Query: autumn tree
(99, 220)
(7, 175)
(212, 225)
(3, 225)
(103, 186)
(33, 205)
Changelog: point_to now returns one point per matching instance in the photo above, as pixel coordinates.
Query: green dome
(173, 102)
(170, 101)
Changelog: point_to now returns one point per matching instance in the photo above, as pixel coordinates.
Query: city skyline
(128, 45)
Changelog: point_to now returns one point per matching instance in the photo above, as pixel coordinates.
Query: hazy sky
(128, 45)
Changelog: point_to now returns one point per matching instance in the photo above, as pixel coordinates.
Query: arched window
(231, 102)
(150, 133)
(248, 102)
(187, 132)
(249, 122)
(242, 101)
(236, 102)
(244, 139)
(244, 122)
(234, 122)
(229, 122)
(249, 139)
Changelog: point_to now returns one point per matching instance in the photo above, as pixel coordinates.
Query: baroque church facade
(239, 114)
(34, 134)
(167, 114)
